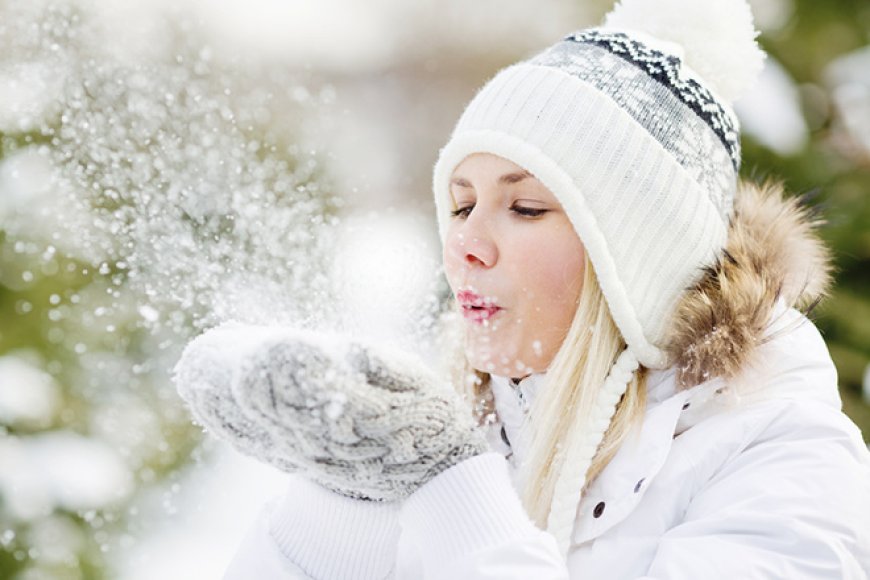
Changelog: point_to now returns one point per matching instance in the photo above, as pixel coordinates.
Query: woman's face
(515, 264)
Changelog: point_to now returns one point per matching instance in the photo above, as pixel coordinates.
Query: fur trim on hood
(773, 253)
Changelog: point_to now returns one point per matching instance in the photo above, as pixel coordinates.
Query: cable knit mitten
(365, 422)
(203, 376)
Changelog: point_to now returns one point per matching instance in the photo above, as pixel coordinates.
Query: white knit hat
(630, 126)
(641, 151)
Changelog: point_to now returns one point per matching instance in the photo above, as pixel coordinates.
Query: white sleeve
(259, 557)
(312, 533)
(468, 522)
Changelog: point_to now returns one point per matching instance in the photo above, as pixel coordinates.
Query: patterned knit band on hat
(630, 126)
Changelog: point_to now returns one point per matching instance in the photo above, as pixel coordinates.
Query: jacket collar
(794, 363)
(512, 401)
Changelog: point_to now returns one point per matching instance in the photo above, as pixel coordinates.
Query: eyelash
(523, 211)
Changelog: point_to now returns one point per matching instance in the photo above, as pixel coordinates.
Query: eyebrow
(507, 178)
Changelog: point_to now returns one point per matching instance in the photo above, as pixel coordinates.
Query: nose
(473, 245)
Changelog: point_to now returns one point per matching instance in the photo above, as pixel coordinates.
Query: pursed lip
(476, 307)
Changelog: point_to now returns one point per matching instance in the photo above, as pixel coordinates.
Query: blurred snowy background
(166, 165)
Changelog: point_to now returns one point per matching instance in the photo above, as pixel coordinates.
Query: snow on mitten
(203, 375)
(363, 421)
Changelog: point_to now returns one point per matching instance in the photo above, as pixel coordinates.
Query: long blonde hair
(566, 402)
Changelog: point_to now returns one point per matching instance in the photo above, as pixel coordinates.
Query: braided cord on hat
(578, 457)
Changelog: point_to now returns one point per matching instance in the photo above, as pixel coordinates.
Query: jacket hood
(773, 257)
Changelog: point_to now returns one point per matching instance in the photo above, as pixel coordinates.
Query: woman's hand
(363, 421)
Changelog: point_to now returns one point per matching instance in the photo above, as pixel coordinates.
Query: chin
(512, 367)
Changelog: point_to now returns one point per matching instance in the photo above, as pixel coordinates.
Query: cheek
(555, 274)
(553, 284)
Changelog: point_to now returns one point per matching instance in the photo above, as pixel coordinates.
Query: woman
(649, 399)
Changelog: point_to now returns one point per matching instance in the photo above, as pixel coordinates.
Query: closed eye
(528, 211)
(462, 211)
(523, 211)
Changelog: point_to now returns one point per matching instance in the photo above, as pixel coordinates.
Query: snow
(384, 275)
(215, 503)
(166, 172)
(771, 112)
(56, 539)
(129, 425)
(335, 406)
(291, 29)
(848, 77)
(347, 37)
(148, 313)
(34, 205)
(29, 397)
(26, 91)
(59, 469)
(771, 15)
(25, 180)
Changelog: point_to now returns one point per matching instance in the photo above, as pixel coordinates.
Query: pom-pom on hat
(630, 126)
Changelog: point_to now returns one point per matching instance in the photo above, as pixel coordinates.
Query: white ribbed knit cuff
(469, 507)
(332, 536)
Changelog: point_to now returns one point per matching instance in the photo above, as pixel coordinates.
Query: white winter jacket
(771, 483)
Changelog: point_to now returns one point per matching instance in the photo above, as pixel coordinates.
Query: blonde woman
(645, 397)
